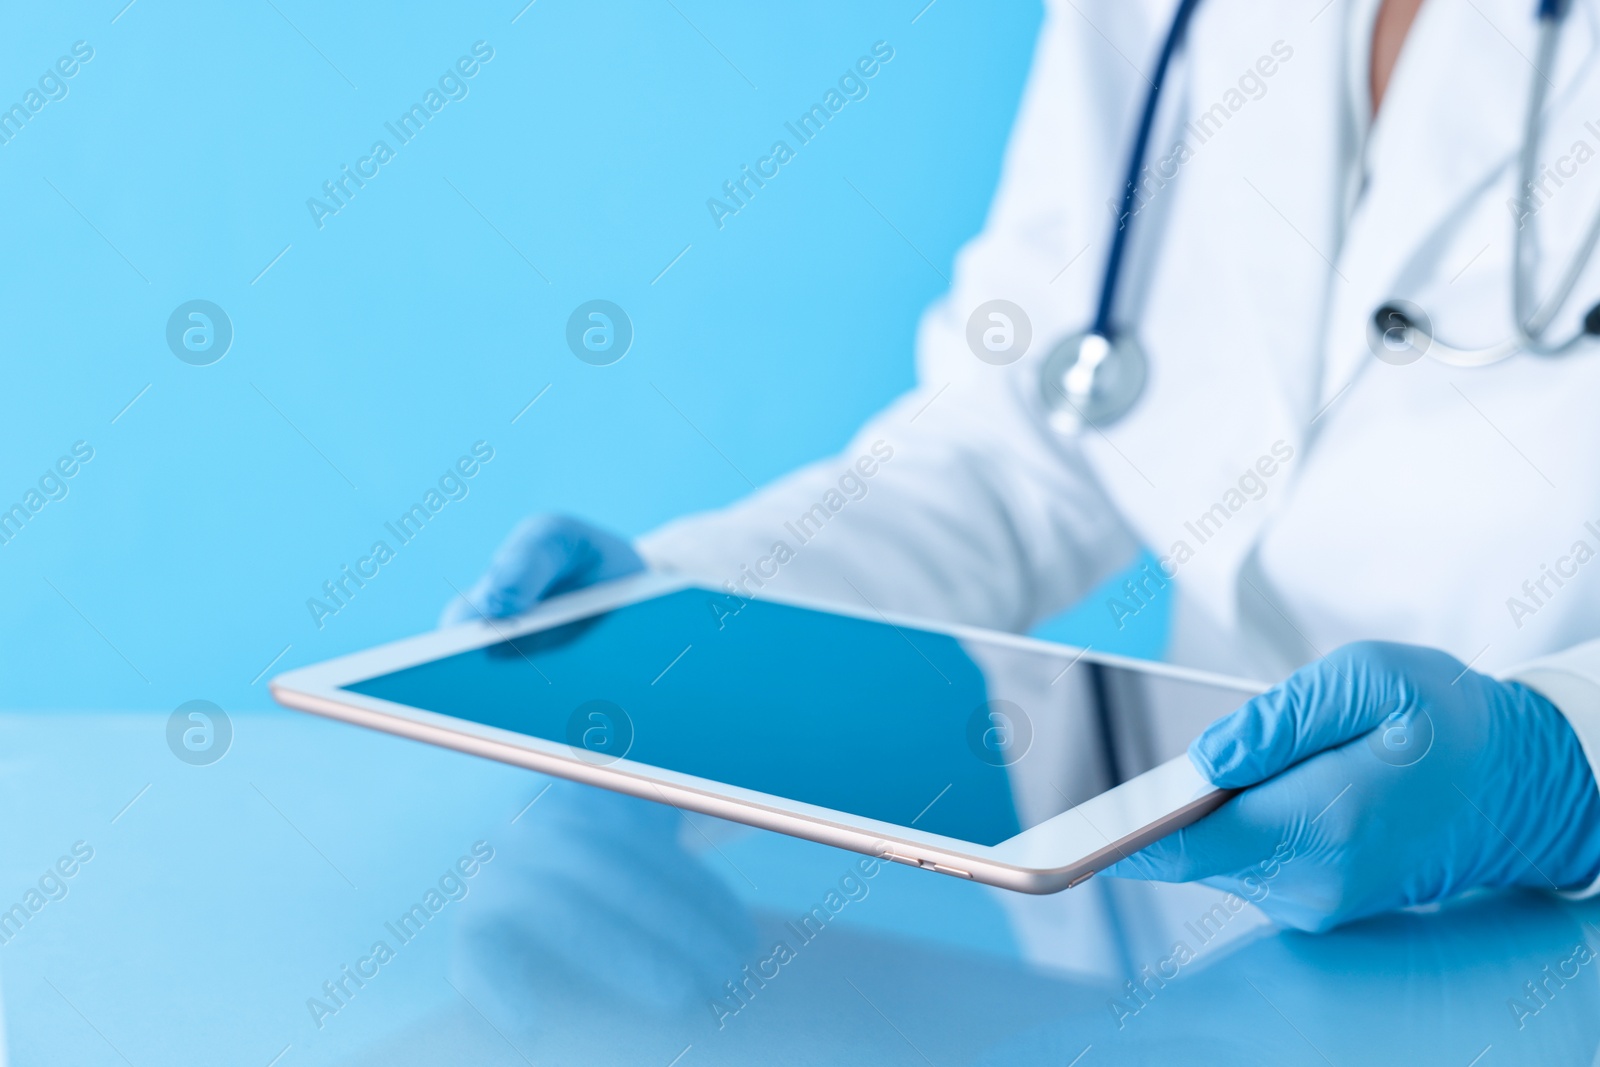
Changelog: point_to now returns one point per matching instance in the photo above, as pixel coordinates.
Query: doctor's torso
(1289, 479)
(1299, 491)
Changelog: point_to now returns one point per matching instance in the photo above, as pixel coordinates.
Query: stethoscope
(1096, 376)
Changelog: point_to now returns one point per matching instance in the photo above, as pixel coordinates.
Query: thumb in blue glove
(1380, 777)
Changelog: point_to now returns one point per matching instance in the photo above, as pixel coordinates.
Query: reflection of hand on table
(594, 886)
(1405, 988)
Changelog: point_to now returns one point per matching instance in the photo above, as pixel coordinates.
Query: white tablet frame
(1054, 855)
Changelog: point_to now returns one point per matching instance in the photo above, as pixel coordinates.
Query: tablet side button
(901, 859)
(957, 871)
(1082, 878)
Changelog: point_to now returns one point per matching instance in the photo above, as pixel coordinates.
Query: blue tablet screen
(893, 723)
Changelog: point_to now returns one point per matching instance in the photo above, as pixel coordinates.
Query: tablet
(982, 755)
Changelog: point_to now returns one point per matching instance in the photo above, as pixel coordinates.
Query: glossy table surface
(217, 900)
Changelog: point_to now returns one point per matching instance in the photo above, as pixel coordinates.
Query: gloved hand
(587, 883)
(544, 556)
(1383, 776)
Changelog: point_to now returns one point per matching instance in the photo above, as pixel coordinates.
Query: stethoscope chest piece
(1091, 379)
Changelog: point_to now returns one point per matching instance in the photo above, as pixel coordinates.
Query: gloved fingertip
(487, 599)
(1136, 868)
(1204, 756)
(1121, 869)
(1127, 867)
(1159, 861)
(1243, 747)
(1223, 754)
(504, 602)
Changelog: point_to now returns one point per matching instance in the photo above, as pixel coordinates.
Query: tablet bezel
(1056, 854)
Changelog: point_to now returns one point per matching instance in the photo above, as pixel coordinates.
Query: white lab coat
(1418, 499)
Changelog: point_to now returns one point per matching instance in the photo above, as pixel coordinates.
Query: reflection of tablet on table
(967, 752)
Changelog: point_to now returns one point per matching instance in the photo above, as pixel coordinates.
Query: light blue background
(378, 349)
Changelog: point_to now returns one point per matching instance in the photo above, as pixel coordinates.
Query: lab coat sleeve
(974, 511)
(957, 520)
(1571, 681)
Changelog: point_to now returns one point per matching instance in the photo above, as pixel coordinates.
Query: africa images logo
(199, 332)
(199, 733)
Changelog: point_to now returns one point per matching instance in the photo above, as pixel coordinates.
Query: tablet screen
(973, 740)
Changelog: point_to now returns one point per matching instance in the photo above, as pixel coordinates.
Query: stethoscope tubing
(1073, 376)
(1105, 307)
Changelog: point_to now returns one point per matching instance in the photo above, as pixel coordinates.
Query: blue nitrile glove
(1380, 777)
(587, 883)
(545, 555)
